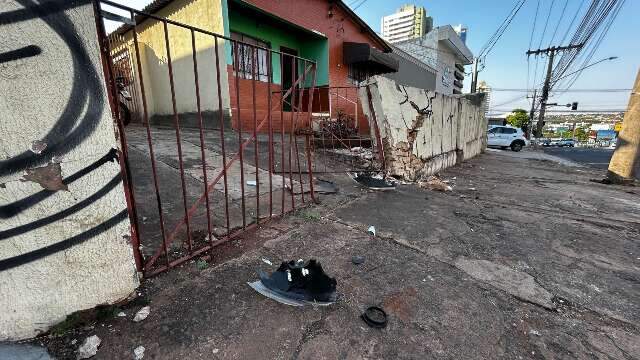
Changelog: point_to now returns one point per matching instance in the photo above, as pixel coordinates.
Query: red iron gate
(207, 159)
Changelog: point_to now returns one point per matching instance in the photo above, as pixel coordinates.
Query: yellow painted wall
(203, 14)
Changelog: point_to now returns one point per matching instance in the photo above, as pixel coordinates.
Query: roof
(364, 25)
(405, 55)
(158, 5)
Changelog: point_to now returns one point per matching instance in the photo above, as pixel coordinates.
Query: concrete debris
(38, 146)
(373, 181)
(534, 332)
(434, 183)
(138, 352)
(142, 314)
(372, 230)
(251, 182)
(122, 314)
(267, 261)
(89, 347)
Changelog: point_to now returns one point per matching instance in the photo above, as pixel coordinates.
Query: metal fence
(213, 179)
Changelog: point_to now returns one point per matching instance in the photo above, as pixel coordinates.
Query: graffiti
(79, 119)
(72, 127)
(25, 52)
(31, 256)
(15, 208)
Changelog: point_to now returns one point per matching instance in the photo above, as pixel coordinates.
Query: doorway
(289, 74)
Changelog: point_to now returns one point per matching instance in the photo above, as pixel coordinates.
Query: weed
(201, 264)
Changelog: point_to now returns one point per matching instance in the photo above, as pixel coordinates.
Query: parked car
(566, 142)
(506, 136)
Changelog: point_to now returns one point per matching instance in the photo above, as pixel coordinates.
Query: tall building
(408, 22)
(461, 30)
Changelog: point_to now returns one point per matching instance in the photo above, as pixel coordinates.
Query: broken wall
(423, 132)
(64, 224)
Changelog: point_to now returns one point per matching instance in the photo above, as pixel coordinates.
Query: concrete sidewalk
(524, 259)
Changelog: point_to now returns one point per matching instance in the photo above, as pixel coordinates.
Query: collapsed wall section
(423, 132)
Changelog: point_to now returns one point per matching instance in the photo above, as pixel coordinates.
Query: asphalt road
(597, 158)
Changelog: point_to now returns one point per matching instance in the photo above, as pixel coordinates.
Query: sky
(506, 65)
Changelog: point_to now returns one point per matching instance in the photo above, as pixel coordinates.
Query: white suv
(506, 136)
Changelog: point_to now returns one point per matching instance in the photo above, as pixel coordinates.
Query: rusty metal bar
(125, 167)
(200, 127)
(222, 138)
(270, 125)
(295, 129)
(291, 135)
(306, 139)
(282, 130)
(151, 153)
(254, 73)
(239, 125)
(178, 141)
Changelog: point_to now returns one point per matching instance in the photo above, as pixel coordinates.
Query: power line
(488, 46)
(565, 90)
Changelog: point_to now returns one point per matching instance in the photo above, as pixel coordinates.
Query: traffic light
(574, 105)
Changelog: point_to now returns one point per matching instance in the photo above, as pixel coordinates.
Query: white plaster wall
(44, 275)
(453, 130)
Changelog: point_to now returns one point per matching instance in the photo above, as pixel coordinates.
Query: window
(509, 131)
(250, 55)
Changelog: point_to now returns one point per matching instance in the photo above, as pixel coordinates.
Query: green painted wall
(308, 47)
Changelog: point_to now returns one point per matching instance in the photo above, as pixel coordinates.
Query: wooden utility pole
(625, 164)
(551, 52)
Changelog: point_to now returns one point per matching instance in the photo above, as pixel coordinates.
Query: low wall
(64, 225)
(423, 132)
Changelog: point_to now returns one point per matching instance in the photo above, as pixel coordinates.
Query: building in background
(461, 30)
(483, 87)
(408, 22)
(442, 49)
(411, 71)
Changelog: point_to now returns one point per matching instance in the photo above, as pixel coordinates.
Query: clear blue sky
(506, 65)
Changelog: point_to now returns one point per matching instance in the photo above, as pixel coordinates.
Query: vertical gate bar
(270, 123)
(307, 146)
(154, 170)
(240, 147)
(204, 159)
(291, 130)
(222, 138)
(178, 141)
(125, 168)
(295, 134)
(282, 168)
(322, 129)
(254, 73)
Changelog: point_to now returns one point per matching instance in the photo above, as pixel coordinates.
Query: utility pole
(532, 112)
(551, 52)
(474, 76)
(625, 163)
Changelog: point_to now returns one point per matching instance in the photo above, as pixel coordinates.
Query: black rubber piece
(357, 259)
(375, 317)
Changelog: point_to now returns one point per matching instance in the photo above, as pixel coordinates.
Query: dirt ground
(524, 259)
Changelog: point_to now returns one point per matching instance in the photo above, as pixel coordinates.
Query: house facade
(344, 48)
(444, 50)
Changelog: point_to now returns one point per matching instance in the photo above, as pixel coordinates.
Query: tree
(581, 134)
(518, 118)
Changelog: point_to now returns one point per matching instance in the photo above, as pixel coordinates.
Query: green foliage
(518, 118)
(582, 134)
(201, 264)
(309, 215)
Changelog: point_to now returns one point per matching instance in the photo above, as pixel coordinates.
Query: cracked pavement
(525, 259)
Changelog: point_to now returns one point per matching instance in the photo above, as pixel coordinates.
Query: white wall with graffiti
(64, 225)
